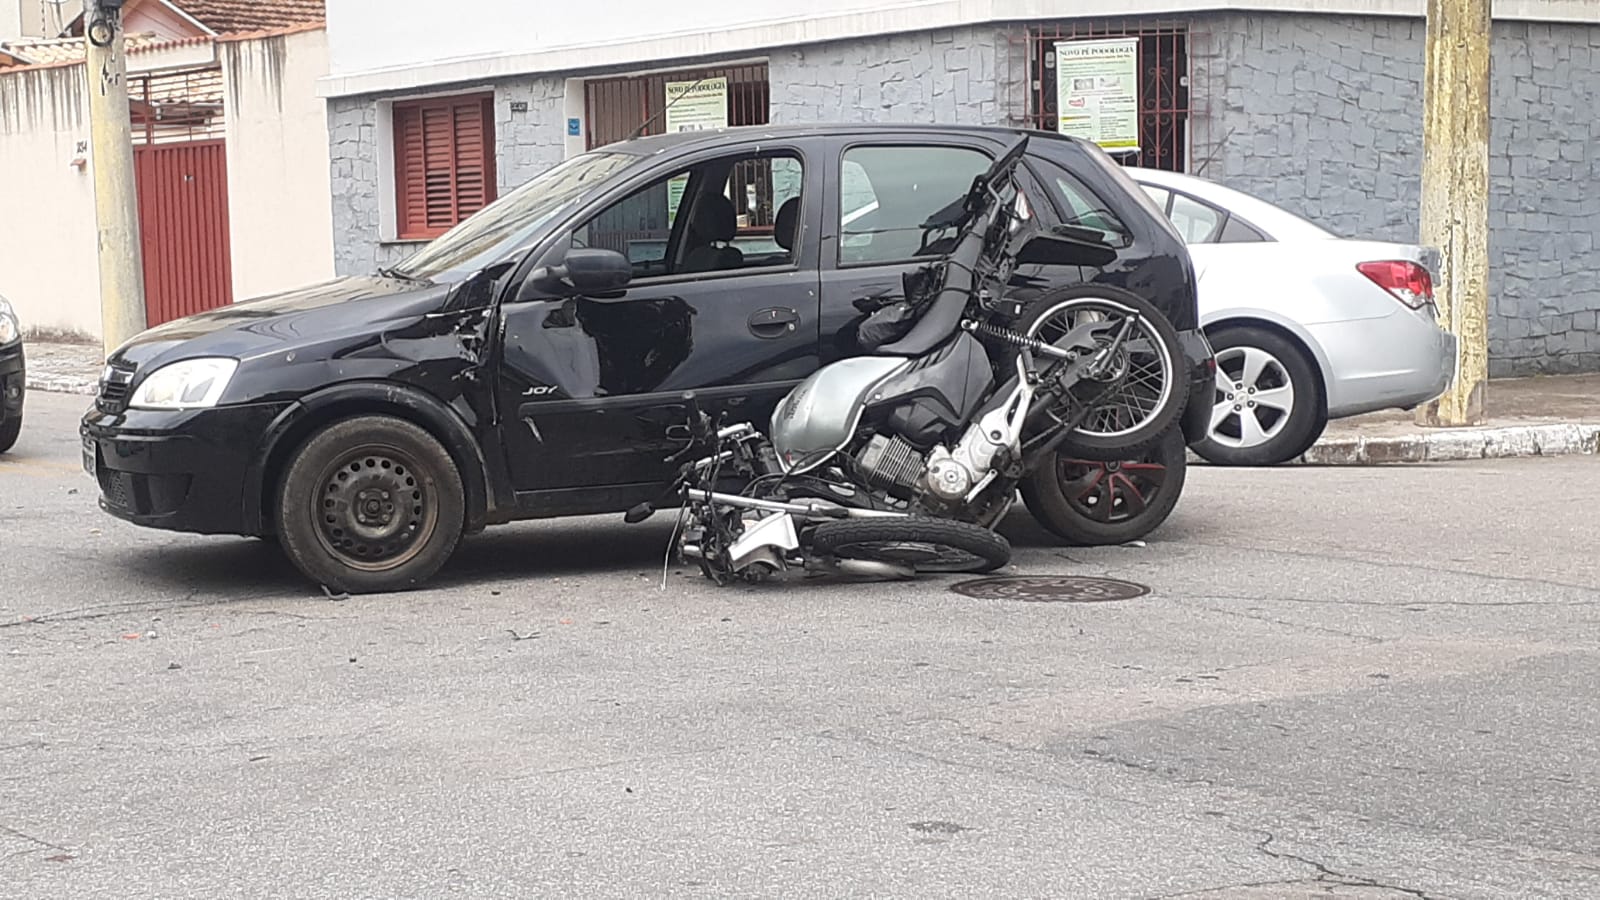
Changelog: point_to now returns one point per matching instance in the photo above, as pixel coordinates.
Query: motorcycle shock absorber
(1012, 337)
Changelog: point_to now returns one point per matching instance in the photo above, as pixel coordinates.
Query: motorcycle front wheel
(1149, 387)
(924, 544)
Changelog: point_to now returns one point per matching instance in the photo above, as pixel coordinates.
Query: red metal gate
(183, 219)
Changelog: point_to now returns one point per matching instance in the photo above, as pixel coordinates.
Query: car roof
(656, 143)
(1278, 223)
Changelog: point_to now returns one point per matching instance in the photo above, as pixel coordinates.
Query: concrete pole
(1455, 196)
(116, 203)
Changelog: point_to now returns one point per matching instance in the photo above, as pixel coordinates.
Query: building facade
(230, 161)
(1316, 106)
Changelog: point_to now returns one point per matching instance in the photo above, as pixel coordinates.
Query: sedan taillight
(1409, 282)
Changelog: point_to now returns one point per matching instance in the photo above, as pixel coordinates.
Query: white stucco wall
(280, 218)
(280, 221)
(47, 230)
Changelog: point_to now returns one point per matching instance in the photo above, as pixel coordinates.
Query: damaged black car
(370, 422)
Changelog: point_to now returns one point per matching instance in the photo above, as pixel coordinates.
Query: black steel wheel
(1089, 502)
(924, 544)
(370, 504)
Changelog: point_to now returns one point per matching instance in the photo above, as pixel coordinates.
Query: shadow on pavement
(551, 548)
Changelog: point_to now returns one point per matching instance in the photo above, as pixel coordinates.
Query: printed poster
(698, 105)
(1097, 91)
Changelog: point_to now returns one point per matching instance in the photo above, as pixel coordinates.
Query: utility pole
(116, 206)
(1455, 196)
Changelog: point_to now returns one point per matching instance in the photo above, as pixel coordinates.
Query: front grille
(143, 495)
(114, 388)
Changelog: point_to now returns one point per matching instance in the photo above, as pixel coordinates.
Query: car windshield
(507, 224)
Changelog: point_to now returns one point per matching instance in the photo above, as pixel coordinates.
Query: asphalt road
(1344, 682)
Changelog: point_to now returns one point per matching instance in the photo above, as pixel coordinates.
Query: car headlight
(10, 330)
(189, 384)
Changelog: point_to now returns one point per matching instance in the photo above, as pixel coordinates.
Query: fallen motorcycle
(904, 459)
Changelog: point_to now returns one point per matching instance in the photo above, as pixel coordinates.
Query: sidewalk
(1539, 416)
(63, 368)
(1547, 415)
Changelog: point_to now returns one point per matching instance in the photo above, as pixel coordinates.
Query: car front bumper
(177, 470)
(1394, 362)
(13, 382)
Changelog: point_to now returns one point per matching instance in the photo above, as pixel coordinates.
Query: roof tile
(229, 16)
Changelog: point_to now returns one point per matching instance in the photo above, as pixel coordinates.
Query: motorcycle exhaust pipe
(873, 569)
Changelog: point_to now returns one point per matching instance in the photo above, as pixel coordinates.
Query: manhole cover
(1051, 589)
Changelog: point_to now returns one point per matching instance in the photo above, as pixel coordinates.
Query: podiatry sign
(1097, 91)
(697, 105)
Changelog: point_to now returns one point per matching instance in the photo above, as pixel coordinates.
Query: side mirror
(587, 270)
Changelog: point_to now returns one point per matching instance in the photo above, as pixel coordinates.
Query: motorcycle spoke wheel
(1141, 372)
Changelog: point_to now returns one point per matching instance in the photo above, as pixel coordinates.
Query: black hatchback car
(370, 421)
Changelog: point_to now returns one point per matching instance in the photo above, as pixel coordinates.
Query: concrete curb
(1504, 442)
(1452, 444)
(61, 384)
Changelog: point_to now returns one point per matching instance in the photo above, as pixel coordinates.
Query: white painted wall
(280, 216)
(410, 44)
(47, 231)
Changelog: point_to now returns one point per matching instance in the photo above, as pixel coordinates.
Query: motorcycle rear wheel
(923, 543)
(1154, 391)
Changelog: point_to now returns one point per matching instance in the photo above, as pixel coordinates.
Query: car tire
(9, 432)
(1261, 363)
(370, 504)
(1089, 503)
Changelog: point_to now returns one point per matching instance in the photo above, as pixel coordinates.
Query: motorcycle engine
(893, 464)
(890, 462)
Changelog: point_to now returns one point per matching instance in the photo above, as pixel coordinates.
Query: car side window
(1237, 231)
(1083, 209)
(733, 213)
(887, 193)
(1160, 195)
(1195, 221)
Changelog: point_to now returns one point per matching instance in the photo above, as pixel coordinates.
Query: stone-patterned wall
(1322, 115)
(531, 141)
(955, 76)
(527, 143)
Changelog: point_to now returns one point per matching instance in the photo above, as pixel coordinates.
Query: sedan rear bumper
(1393, 362)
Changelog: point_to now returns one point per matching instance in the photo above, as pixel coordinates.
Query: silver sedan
(1306, 325)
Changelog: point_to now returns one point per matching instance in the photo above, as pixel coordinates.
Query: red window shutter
(444, 163)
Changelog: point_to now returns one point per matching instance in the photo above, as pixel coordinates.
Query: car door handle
(774, 321)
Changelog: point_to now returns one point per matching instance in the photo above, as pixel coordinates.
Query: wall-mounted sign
(1097, 91)
(697, 105)
(574, 126)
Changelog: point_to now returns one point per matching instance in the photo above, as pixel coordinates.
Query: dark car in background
(370, 421)
(13, 376)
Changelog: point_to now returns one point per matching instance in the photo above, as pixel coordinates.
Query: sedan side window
(1238, 232)
(887, 193)
(1159, 195)
(735, 213)
(1197, 222)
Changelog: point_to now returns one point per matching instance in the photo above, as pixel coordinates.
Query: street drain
(1051, 589)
